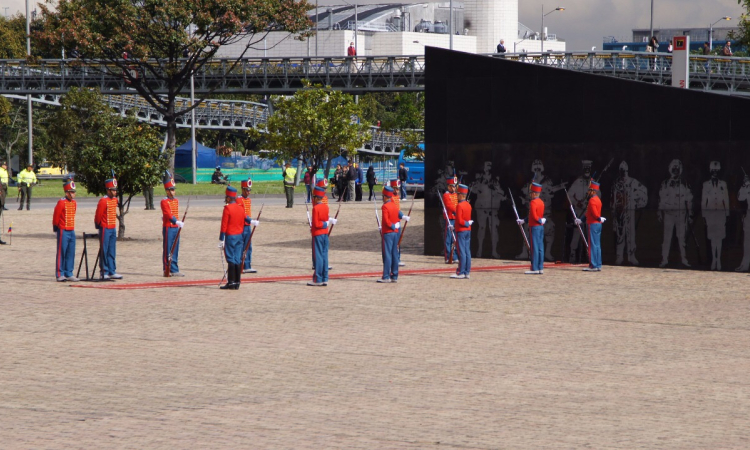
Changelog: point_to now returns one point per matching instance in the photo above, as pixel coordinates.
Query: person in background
(351, 178)
(501, 46)
(3, 186)
(309, 181)
(217, 177)
(288, 175)
(26, 180)
(372, 180)
(727, 50)
(402, 179)
(358, 186)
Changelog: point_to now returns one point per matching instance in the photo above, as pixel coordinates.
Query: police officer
(105, 220)
(170, 212)
(26, 179)
(233, 222)
(63, 224)
(3, 186)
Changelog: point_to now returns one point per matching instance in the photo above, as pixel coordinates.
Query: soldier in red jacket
(64, 224)
(536, 227)
(463, 233)
(594, 221)
(105, 220)
(170, 213)
(321, 222)
(390, 230)
(233, 222)
(450, 199)
(247, 203)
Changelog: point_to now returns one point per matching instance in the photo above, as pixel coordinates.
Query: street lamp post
(711, 32)
(544, 37)
(29, 108)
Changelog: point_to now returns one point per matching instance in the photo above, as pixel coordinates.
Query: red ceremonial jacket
(451, 201)
(106, 213)
(391, 216)
(463, 216)
(319, 215)
(233, 220)
(64, 216)
(594, 210)
(536, 212)
(170, 210)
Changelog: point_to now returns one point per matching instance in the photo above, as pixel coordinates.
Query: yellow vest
(25, 176)
(3, 176)
(289, 175)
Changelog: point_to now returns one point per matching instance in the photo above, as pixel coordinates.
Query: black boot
(230, 277)
(237, 276)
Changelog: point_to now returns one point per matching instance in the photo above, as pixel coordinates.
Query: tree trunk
(299, 170)
(171, 133)
(121, 221)
(328, 165)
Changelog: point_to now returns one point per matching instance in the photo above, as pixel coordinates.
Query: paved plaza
(626, 358)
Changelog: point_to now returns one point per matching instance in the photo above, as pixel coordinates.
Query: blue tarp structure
(183, 155)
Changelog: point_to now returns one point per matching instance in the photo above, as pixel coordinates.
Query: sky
(584, 23)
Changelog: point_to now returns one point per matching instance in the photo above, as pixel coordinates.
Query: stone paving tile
(626, 358)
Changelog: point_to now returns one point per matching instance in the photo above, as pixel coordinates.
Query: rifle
(576, 217)
(250, 239)
(221, 252)
(448, 223)
(408, 214)
(520, 227)
(309, 219)
(377, 218)
(336, 216)
(168, 268)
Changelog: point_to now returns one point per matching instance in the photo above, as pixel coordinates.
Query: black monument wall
(497, 122)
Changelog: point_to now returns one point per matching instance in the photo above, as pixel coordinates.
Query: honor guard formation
(238, 227)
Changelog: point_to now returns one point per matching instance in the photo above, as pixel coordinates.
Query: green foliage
(166, 40)
(94, 142)
(394, 110)
(13, 37)
(316, 124)
(5, 109)
(742, 35)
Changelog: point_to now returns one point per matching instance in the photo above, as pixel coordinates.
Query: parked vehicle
(414, 166)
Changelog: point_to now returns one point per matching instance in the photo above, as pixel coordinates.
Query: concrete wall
(403, 43)
(490, 21)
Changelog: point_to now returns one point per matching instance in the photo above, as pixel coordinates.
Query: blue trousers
(390, 256)
(308, 188)
(66, 253)
(246, 237)
(463, 239)
(595, 245)
(169, 234)
(537, 247)
(403, 191)
(449, 243)
(108, 243)
(320, 256)
(233, 248)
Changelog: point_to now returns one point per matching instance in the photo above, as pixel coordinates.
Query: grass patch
(53, 189)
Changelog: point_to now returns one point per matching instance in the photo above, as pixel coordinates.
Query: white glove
(542, 220)
(254, 223)
(397, 225)
(180, 224)
(602, 219)
(333, 220)
(450, 227)
(520, 221)
(406, 218)
(221, 244)
(470, 222)
(578, 221)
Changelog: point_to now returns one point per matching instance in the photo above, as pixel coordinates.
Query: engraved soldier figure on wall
(715, 210)
(489, 196)
(628, 194)
(744, 196)
(675, 212)
(578, 192)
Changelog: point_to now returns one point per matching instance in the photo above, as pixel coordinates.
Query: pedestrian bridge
(362, 74)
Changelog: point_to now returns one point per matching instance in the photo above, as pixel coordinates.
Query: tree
(742, 34)
(315, 125)
(13, 37)
(154, 43)
(94, 142)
